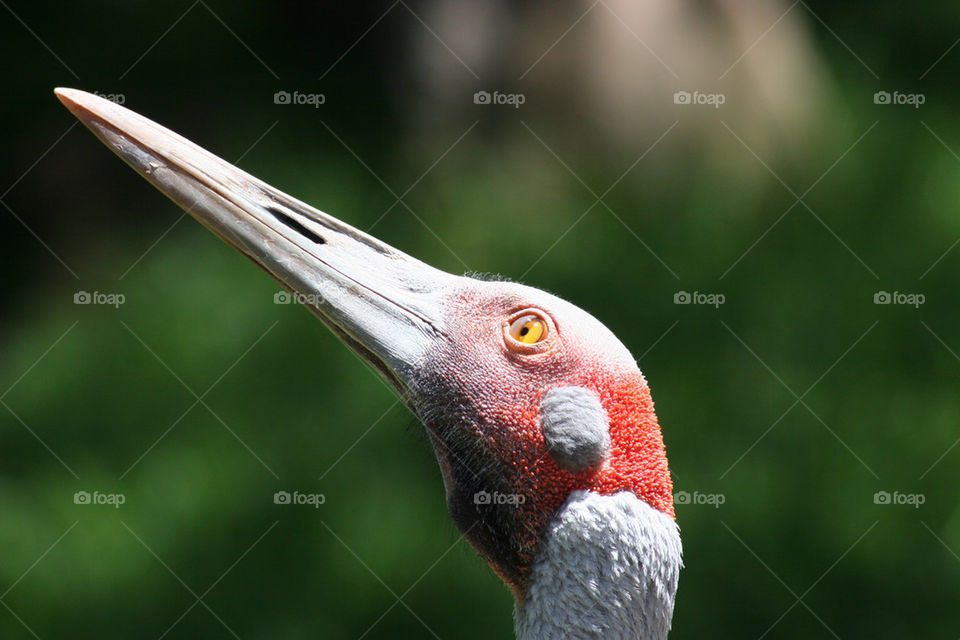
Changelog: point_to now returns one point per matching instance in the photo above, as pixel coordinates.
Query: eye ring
(527, 331)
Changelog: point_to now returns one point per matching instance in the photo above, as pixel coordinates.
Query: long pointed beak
(384, 304)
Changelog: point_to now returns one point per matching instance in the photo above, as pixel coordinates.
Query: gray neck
(607, 568)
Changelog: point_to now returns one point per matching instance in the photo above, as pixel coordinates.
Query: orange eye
(528, 329)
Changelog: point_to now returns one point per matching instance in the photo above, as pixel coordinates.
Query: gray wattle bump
(575, 426)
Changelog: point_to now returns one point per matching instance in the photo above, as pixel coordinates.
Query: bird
(542, 424)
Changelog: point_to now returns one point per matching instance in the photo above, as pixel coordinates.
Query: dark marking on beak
(290, 222)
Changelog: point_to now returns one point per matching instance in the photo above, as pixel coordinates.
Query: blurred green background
(797, 400)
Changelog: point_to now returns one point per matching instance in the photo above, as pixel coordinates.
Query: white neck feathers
(607, 568)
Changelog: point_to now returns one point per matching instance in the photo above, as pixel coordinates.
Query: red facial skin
(481, 399)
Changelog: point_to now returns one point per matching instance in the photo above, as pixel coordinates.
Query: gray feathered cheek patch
(575, 426)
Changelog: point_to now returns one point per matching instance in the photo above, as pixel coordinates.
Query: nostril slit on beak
(290, 222)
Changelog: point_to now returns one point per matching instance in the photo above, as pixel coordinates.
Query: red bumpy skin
(480, 400)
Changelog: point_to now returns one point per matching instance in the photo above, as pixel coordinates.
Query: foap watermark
(710, 499)
(117, 98)
(99, 297)
(512, 99)
(899, 297)
(697, 297)
(907, 99)
(110, 499)
(495, 497)
(310, 499)
(896, 498)
(308, 299)
(698, 97)
(311, 99)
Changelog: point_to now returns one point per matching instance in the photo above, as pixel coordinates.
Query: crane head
(525, 397)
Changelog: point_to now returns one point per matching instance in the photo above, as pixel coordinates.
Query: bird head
(526, 398)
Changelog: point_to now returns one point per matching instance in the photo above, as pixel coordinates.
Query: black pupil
(524, 331)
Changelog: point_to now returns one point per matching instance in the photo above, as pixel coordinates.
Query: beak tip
(80, 103)
(67, 96)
